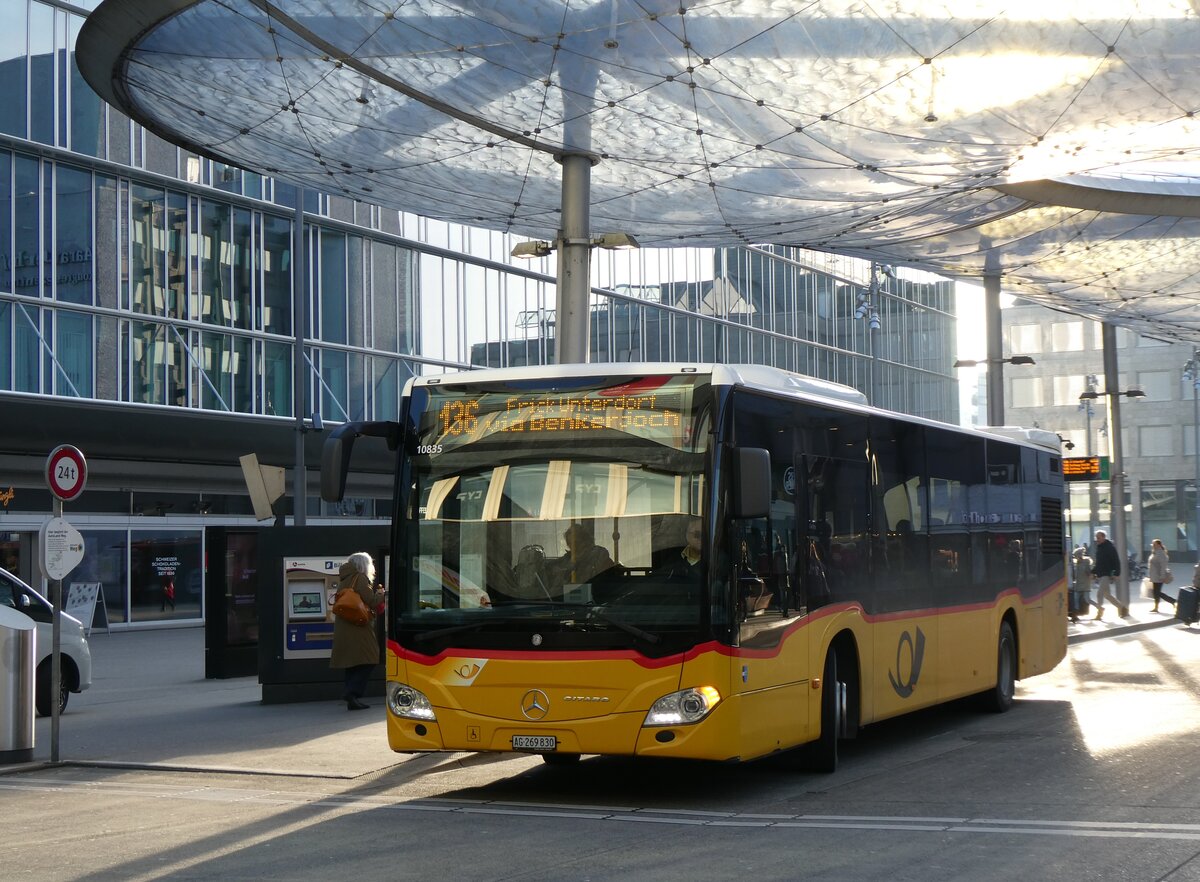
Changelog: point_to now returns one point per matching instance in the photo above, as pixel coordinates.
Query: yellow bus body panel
(596, 702)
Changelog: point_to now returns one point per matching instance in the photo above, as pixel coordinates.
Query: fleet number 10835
(429, 449)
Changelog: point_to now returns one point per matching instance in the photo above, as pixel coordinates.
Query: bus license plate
(536, 743)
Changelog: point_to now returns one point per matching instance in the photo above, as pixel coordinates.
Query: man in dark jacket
(1107, 571)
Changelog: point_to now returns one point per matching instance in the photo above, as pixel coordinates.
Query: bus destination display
(659, 412)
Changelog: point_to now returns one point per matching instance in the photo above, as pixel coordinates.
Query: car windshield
(565, 509)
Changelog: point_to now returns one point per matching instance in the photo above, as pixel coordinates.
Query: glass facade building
(159, 310)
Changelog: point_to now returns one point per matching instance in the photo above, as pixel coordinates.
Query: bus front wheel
(999, 698)
(822, 754)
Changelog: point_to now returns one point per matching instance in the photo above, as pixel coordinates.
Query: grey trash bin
(18, 651)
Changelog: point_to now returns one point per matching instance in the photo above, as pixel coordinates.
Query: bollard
(18, 653)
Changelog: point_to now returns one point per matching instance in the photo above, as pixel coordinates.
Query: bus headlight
(404, 701)
(683, 707)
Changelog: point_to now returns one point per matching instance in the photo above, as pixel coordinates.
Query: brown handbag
(348, 605)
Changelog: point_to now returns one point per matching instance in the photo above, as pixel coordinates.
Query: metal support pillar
(995, 350)
(1112, 386)
(571, 333)
(1196, 444)
(299, 323)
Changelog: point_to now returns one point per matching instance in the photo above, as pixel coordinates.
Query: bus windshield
(564, 507)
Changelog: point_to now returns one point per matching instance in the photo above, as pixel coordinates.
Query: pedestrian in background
(355, 647)
(1157, 571)
(1081, 591)
(1107, 571)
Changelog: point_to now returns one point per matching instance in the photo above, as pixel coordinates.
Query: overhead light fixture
(1091, 395)
(616, 241)
(1016, 359)
(532, 249)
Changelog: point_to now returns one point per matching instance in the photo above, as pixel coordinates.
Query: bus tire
(822, 754)
(560, 759)
(999, 698)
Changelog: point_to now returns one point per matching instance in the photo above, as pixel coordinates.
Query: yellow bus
(716, 562)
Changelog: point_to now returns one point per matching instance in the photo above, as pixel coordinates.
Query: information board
(82, 600)
(1085, 468)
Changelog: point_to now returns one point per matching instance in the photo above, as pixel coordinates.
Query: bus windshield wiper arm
(595, 614)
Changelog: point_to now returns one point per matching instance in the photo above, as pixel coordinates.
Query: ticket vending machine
(309, 584)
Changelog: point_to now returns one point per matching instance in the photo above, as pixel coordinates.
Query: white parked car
(73, 646)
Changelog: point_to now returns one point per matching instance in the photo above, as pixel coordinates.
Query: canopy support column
(572, 332)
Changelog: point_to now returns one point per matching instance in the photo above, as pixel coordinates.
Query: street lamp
(1088, 412)
(1117, 473)
(1091, 395)
(867, 309)
(971, 362)
(1191, 373)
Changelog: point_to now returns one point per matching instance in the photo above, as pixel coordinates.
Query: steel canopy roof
(1050, 143)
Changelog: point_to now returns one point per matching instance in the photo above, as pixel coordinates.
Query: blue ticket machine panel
(309, 584)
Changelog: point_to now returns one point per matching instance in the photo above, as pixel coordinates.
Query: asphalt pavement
(150, 707)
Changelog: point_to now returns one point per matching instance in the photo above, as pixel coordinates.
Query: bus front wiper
(595, 614)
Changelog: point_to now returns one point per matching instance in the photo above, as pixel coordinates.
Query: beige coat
(356, 644)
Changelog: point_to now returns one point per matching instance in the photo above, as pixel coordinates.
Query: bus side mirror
(339, 445)
(751, 483)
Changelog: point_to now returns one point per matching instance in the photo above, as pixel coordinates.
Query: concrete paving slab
(150, 705)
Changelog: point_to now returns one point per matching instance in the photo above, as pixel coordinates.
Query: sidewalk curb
(1122, 630)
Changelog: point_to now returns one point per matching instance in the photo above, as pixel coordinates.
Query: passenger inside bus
(684, 565)
(583, 561)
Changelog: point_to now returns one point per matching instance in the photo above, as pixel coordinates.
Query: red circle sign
(66, 472)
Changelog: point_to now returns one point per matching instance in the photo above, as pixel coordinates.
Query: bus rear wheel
(822, 754)
(999, 698)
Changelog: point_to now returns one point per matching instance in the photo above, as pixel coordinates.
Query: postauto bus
(844, 565)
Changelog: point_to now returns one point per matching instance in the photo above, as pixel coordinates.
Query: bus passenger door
(770, 662)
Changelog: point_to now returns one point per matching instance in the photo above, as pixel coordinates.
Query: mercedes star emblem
(534, 704)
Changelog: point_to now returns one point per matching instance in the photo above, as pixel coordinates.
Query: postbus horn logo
(916, 657)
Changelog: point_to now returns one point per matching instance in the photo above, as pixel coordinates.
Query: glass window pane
(216, 269)
(6, 347)
(1026, 392)
(1025, 339)
(157, 363)
(29, 217)
(13, 71)
(164, 575)
(147, 267)
(1066, 336)
(26, 373)
(104, 561)
(241, 260)
(104, 253)
(277, 376)
(333, 287)
(277, 274)
(1155, 440)
(6, 229)
(41, 73)
(87, 113)
(1068, 389)
(1158, 385)
(73, 349)
(73, 243)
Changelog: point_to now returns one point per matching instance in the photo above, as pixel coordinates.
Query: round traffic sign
(66, 472)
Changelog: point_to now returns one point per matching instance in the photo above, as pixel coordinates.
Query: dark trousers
(356, 681)
(1158, 593)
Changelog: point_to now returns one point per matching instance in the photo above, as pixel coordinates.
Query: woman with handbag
(355, 647)
(1157, 572)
